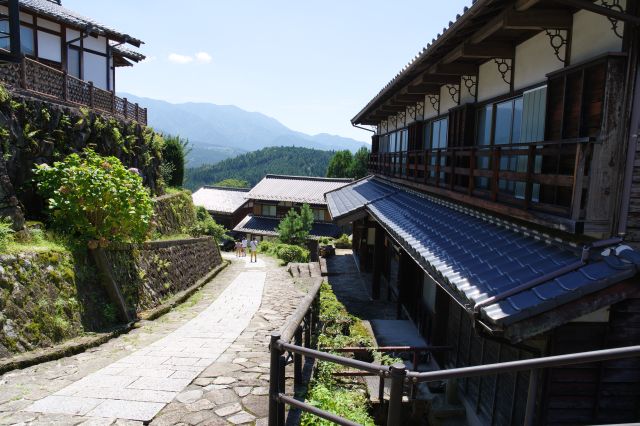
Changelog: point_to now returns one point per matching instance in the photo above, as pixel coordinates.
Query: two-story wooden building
(504, 201)
(227, 206)
(51, 51)
(275, 195)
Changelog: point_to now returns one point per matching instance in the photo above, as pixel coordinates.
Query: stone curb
(182, 296)
(81, 344)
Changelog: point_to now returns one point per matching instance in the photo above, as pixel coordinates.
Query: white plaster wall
(99, 44)
(409, 116)
(72, 35)
(48, 24)
(490, 82)
(465, 96)
(429, 111)
(535, 58)
(592, 35)
(446, 101)
(95, 69)
(25, 17)
(49, 46)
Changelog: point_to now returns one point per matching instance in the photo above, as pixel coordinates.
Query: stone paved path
(219, 338)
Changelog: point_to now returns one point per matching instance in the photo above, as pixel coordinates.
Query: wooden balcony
(544, 182)
(44, 81)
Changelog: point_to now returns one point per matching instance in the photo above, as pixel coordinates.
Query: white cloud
(180, 59)
(203, 57)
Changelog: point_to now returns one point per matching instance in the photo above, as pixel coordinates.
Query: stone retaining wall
(149, 273)
(39, 302)
(174, 213)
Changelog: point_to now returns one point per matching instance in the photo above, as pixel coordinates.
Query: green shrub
(343, 241)
(174, 213)
(174, 152)
(286, 252)
(350, 404)
(96, 198)
(205, 225)
(294, 228)
(6, 233)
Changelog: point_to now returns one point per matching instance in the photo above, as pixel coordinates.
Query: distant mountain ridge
(253, 166)
(217, 132)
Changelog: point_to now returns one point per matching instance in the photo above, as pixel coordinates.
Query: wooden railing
(550, 176)
(44, 80)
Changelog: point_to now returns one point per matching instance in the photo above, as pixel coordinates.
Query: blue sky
(310, 64)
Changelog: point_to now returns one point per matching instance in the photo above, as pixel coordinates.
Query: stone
(242, 390)
(203, 404)
(189, 396)
(257, 404)
(260, 390)
(240, 418)
(229, 409)
(221, 396)
(130, 410)
(224, 380)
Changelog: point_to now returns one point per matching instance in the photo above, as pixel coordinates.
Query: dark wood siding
(606, 392)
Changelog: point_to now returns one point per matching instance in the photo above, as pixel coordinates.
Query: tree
(294, 228)
(233, 183)
(205, 225)
(96, 198)
(340, 164)
(174, 153)
(359, 164)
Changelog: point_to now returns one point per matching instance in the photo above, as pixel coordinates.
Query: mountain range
(217, 132)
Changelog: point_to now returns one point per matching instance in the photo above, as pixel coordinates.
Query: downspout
(549, 275)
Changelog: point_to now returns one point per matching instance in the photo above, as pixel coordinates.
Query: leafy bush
(294, 228)
(324, 241)
(174, 213)
(343, 241)
(174, 151)
(205, 225)
(6, 233)
(350, 404)
(286, 252)
(96, 198)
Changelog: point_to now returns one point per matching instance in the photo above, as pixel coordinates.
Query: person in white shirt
(244, 247)
(253, 246)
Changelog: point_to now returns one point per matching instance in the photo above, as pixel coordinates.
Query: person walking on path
(253, 246)
(238, 248)
(244, 247)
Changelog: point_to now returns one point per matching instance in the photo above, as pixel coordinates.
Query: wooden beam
(601, 10)
(423, 89)
(535, 20)
(481, 51)
(440, 79)
(411, 97)
(522, 5)
(454, 69)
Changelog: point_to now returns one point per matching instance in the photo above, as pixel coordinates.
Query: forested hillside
(254, 165)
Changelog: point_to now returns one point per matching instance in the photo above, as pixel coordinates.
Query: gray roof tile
(219, 199)
(261, 225)
(295, 189)
(477, 256)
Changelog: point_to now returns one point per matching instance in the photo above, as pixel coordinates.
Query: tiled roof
(262, 225)
(478, 256)
(128, 53)
(219, 199)
(296, 189)
(55, 11)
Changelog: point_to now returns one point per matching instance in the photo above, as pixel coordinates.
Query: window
(508, 122)
(26, 38)
(73, 62)
(439, 133)
(318, 215)
(268, 210)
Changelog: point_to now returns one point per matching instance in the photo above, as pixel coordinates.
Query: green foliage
(345, 165)
(294, 228)
(233, 183)
(343, 241)
(6, 233)
(174, 152)
(350, 404)
(174, 213)
(96, 198)
(286, 252)
(252, 166)
(205, 225)
(340, 164)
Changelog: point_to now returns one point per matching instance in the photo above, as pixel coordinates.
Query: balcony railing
(49, 82)
(550, 177)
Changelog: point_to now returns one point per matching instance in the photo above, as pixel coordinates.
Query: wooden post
(472, 167)
(578, 181)
(91, 94)
(378, 262)
(125, 107)
(528, 191)
(65, 85)
(496, 173)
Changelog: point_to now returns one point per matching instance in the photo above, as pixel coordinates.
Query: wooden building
(51, 51)
(227, 206)
(502, 211)
(275, 195)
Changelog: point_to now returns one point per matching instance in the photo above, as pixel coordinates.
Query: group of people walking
(241, 248)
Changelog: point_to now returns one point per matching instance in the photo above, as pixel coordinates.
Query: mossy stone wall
(39, 302)
(174, 213)
(151, 272)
